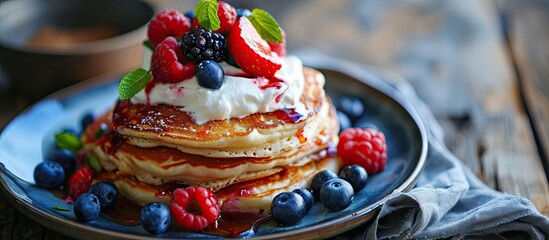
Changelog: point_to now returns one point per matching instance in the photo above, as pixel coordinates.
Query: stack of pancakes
(149, 150)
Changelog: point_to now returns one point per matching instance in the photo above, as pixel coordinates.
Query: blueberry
(209, 74)
(65, 158)
(307, 197)
(319, 179)
(243, 12)
(86, 207)
(336, 194)
(344, 121)
(189, 14)
(49, 174)
(288, 208)
(87, 119)
(155, 217)
(356, 175)
(352, 106)
(106, 192)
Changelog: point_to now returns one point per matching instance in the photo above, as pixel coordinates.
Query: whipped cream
(238, 97)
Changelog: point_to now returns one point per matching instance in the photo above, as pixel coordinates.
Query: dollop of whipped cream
(238, 97)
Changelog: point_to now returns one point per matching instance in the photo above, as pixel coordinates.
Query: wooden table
(481, 66)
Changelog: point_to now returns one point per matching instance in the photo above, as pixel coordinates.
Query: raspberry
(167, 23)
(167, 63)
(365, 147)
(227, 16)
(279, 48)
(250, 51)
(80, 181)
(194, 208)
(201, 44)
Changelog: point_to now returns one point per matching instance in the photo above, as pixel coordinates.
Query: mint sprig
(148, 44)
(206, 13)
(69, 141)
(59, 208)
(266, 25)
(133, 82)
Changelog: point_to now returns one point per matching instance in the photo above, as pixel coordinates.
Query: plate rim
(323, 229)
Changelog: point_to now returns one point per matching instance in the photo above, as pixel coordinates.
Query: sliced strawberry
(168, 64)
(80, 181)
(279, 48)
(250, 51)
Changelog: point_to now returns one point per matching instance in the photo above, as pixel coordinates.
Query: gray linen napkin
(448, 201)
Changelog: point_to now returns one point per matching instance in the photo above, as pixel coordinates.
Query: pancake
(254, 196)
(168, 125)
(158, 165)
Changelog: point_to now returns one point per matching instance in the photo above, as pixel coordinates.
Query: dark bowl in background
(46, 45)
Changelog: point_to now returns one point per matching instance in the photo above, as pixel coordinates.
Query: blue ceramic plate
(25, 140)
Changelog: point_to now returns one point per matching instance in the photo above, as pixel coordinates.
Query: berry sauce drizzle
(148, 89)
(288, 115)
(272, 82)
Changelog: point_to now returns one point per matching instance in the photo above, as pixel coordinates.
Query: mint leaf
(93, 162)
(206, 13)
(69, 141)
(133, 82)
(266, 25)
(149, 45)
(60, 208)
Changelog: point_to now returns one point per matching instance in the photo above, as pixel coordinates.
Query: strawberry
(279, 48)
(365, 147)
(250, 51)
(194, 208)
(167, 23)
(227, 16)
(80, 181)
(168, 64)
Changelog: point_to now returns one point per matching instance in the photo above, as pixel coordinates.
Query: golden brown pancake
(165, 123)
(253, 196)
(159, 165)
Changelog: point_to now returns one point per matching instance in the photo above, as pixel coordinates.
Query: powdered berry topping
(168, 64)
(194, 208)
(365, 147)
(167, 23)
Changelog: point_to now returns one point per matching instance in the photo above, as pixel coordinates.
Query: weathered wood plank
(15, 225)
(509, 149)
(529, 38)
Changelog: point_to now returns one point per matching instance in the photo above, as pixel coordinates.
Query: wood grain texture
(529, 38)
(510, 162)
(15, 225)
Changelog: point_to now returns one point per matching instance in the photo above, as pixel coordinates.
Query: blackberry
(201, 44)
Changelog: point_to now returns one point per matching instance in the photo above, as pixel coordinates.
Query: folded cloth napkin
(448, 201)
